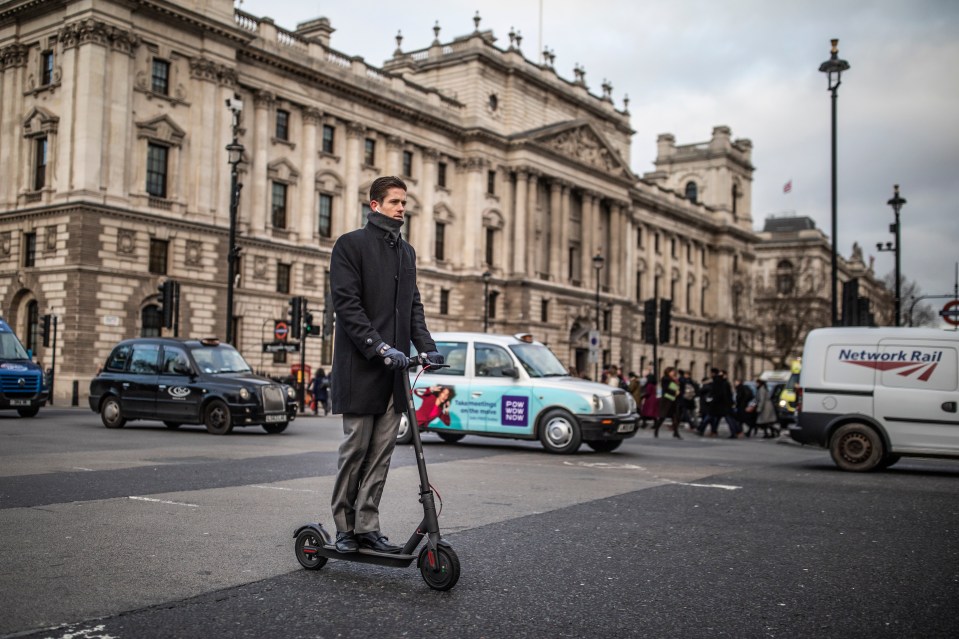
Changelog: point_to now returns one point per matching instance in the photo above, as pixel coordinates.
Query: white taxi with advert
(514, 387)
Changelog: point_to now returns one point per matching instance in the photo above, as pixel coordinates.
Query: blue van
(514, 387)
(21, 381)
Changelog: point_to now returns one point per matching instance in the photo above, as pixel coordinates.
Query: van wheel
(217, 418)
(404, 434)
(856, 447)
(559, 432)
(110, 413)
(29, 412)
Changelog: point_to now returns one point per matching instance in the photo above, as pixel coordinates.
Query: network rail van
(873, 395)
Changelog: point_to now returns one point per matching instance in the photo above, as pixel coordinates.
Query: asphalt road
(146, 532)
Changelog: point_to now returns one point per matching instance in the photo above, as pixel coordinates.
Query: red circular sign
(281, 330)
(947, 312)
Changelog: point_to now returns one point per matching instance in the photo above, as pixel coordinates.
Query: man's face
(393, 205)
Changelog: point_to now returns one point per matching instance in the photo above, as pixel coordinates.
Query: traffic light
(665, 317)
(309, 328)
(296, 316)
(45, 332)
(166, 301)
(649, 321)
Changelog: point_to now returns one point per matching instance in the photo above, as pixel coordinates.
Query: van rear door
(917, 391)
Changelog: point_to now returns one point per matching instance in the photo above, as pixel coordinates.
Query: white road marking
(295, 490)
(164, 501)
(723, 486)
(604, 465)
(82, 468)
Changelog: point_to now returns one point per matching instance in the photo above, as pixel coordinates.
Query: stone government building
(113, 130)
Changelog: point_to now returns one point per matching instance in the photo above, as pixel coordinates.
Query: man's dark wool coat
(373, 285)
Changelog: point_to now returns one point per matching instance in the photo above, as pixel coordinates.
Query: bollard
(75, 400)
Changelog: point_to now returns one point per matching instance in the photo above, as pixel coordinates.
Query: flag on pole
(788, 187)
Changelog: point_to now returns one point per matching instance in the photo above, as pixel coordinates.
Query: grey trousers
(361, 473)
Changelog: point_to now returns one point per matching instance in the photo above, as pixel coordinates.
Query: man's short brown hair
(382, 185)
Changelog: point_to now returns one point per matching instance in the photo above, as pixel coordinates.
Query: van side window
(455, 354)
(119, 358)
(491, 361)
(175, 361)
(144, 359)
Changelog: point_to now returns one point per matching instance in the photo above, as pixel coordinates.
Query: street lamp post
(896, 203)
(833, 68)
(235, 156)
(486, 278)
(598, 262)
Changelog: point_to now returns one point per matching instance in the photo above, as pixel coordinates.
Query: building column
(262, 104)
(393, 147)
(530, 248)
(629, 266)
(590, 205)
(471, 230)
(11, 114)
(617, 221)
(555, 232)
(566, 206)
(309, 212)
(519, 248)
(355, 133)
(87, 142)
(425, 227)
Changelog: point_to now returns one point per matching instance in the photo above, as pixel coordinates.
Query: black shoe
(375, 540)
(346, 542)
(677, 435)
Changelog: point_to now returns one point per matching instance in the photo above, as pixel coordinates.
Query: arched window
(735, 198)
(150, 321)
(692, 191)
(493, 297)
(785, 278)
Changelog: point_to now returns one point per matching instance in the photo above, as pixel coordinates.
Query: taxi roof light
(210, 341)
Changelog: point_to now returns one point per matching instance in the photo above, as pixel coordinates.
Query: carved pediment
(39, 121)
(283, 171)
(161, 129)
(579, 141)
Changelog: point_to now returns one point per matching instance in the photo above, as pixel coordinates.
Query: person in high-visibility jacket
(669, 402)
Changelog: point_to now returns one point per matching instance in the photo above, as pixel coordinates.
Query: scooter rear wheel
(306, 548)
(440, 570)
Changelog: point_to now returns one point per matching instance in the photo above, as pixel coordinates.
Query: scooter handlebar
(418, 360)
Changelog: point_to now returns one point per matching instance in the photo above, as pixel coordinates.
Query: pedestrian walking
(320, 389)
(635, 389)
(745, 407)
(378, 313)
(650, 408)
(668, 403)
(766, 418)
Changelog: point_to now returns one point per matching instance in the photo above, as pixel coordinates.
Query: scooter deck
(367, 556)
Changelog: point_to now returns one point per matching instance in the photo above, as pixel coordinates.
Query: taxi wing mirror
(183, 369)
(510, 371)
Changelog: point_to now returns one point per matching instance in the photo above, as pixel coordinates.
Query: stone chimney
(318, 29)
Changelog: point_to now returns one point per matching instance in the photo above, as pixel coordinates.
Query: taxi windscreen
(219, 359)
(538, 360)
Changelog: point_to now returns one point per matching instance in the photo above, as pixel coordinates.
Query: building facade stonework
(113, 130)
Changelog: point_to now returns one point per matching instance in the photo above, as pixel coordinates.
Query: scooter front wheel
(307, 546)
(440, 569)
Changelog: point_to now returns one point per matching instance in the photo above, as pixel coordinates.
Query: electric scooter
(438, 563)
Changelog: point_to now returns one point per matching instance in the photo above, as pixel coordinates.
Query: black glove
(392, 358)
(434, 357)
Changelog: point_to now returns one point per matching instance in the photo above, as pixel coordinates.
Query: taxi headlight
(597, 403)
(631, 402)
(290, 392)
(244, 394)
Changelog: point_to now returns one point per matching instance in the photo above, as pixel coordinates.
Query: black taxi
(179, 381)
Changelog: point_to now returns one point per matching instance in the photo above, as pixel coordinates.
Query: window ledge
(160, 203)
(331, 156)
(161, 96)
(53, 86)
(276, 140)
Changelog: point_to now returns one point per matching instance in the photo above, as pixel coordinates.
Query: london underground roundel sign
(950, 312)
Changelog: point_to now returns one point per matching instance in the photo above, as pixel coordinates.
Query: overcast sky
(753, 65)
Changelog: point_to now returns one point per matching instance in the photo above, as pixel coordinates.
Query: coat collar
(390, 226)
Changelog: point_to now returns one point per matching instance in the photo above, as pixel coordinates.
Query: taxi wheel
(110, 413)
(404, 435)
(217, 418)
(275, 427)
(451, 438)
(856, 447)
(605, 445)
(173, 424)
(559, 432)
